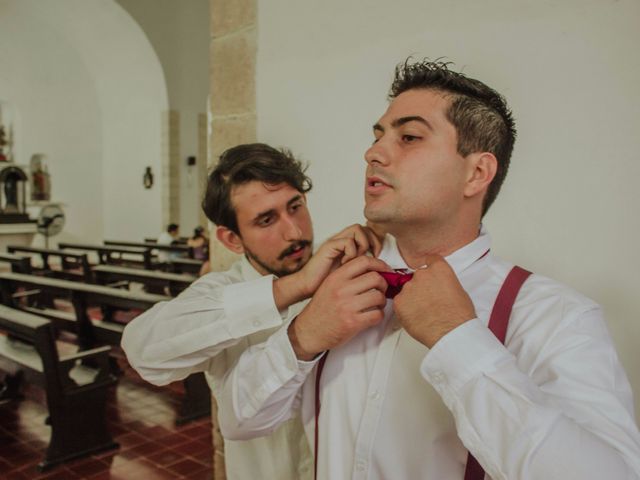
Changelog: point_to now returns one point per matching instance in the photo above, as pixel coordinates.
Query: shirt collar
(459, 260)
(248, 271)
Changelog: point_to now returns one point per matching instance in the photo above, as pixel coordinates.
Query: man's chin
(377, 216)
(296, 265)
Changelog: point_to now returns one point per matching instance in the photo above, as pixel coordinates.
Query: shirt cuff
(277, 369)
(247, 317)
(462, 354)
(280, 341)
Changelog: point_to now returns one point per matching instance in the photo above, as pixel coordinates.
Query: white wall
(39, 71)
(570, 71)
(89, 91)
(179, 33)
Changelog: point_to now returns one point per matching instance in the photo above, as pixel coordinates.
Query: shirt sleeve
(262, 390)
(174, 339)
(569, 414)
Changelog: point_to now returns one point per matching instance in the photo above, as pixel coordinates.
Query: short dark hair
(480, 115)
(245, 163)
(172, 227)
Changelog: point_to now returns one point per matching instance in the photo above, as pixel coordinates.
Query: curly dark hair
(480, 115)
(245, 163)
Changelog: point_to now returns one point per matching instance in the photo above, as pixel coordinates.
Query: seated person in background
(199, 243)
(168, 238)
(256, 196)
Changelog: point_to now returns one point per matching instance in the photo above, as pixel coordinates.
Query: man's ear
(230, 239)
(482, 169)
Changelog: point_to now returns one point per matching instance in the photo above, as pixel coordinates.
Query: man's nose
(377, 154)
(292, 230)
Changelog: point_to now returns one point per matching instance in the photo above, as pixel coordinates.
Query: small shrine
(13, 196)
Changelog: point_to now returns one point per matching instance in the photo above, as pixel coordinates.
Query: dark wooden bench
(197, 400)
(18, 263)
(178, 249)
(73, 266)
(185, 265)
(153, 280)
(113, 254)
(82, 296)
(76, 394)
(179, 240)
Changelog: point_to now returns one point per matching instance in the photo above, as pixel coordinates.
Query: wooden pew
(70, 263)
(18, 263)
(110, 254)
(179, 240)
(76, 394)
(179, 249)
(154, 280)
(82, 296)
(185, 265)
(197, 399)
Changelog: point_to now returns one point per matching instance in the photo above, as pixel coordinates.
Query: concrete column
(232, 115)
(170, 175)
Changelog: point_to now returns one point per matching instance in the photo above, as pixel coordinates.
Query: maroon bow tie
(395, 280)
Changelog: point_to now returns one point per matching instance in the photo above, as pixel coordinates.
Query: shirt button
(257, 323)
(361, 465)
(375, 395)
(438, 376)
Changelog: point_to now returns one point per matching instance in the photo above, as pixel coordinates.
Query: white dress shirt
(205, 329)
(554, 403)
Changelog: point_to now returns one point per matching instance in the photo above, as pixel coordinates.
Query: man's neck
(415, 243)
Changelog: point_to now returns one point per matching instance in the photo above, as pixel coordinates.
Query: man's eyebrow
(261, 215)
(272, 211)
(295, 199)
(398, 122)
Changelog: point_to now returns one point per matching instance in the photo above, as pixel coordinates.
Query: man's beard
(287, 251)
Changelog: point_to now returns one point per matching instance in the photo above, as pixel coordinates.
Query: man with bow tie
(475, 367)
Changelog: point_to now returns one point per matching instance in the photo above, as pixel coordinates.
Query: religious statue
(40, 179)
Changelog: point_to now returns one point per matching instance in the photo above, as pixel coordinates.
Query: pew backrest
(69, 261)
(180, 249)
(112, 253)
(175, 282)
(19, 264)
(185, 265)
(82, 296)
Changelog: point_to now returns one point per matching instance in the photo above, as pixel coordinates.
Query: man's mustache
(293, 247)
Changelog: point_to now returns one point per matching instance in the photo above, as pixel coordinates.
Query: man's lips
(376, 185)
(295, 251)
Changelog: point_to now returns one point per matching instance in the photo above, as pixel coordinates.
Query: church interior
(113, 111)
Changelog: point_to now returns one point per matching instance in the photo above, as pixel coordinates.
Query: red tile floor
(141, 419)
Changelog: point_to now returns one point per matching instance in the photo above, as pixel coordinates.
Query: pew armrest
(86, 368)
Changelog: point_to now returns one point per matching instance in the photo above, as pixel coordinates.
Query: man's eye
(409, 138)
(265, 222)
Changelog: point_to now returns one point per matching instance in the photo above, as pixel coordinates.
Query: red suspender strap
(315, 434)
(498, 323)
